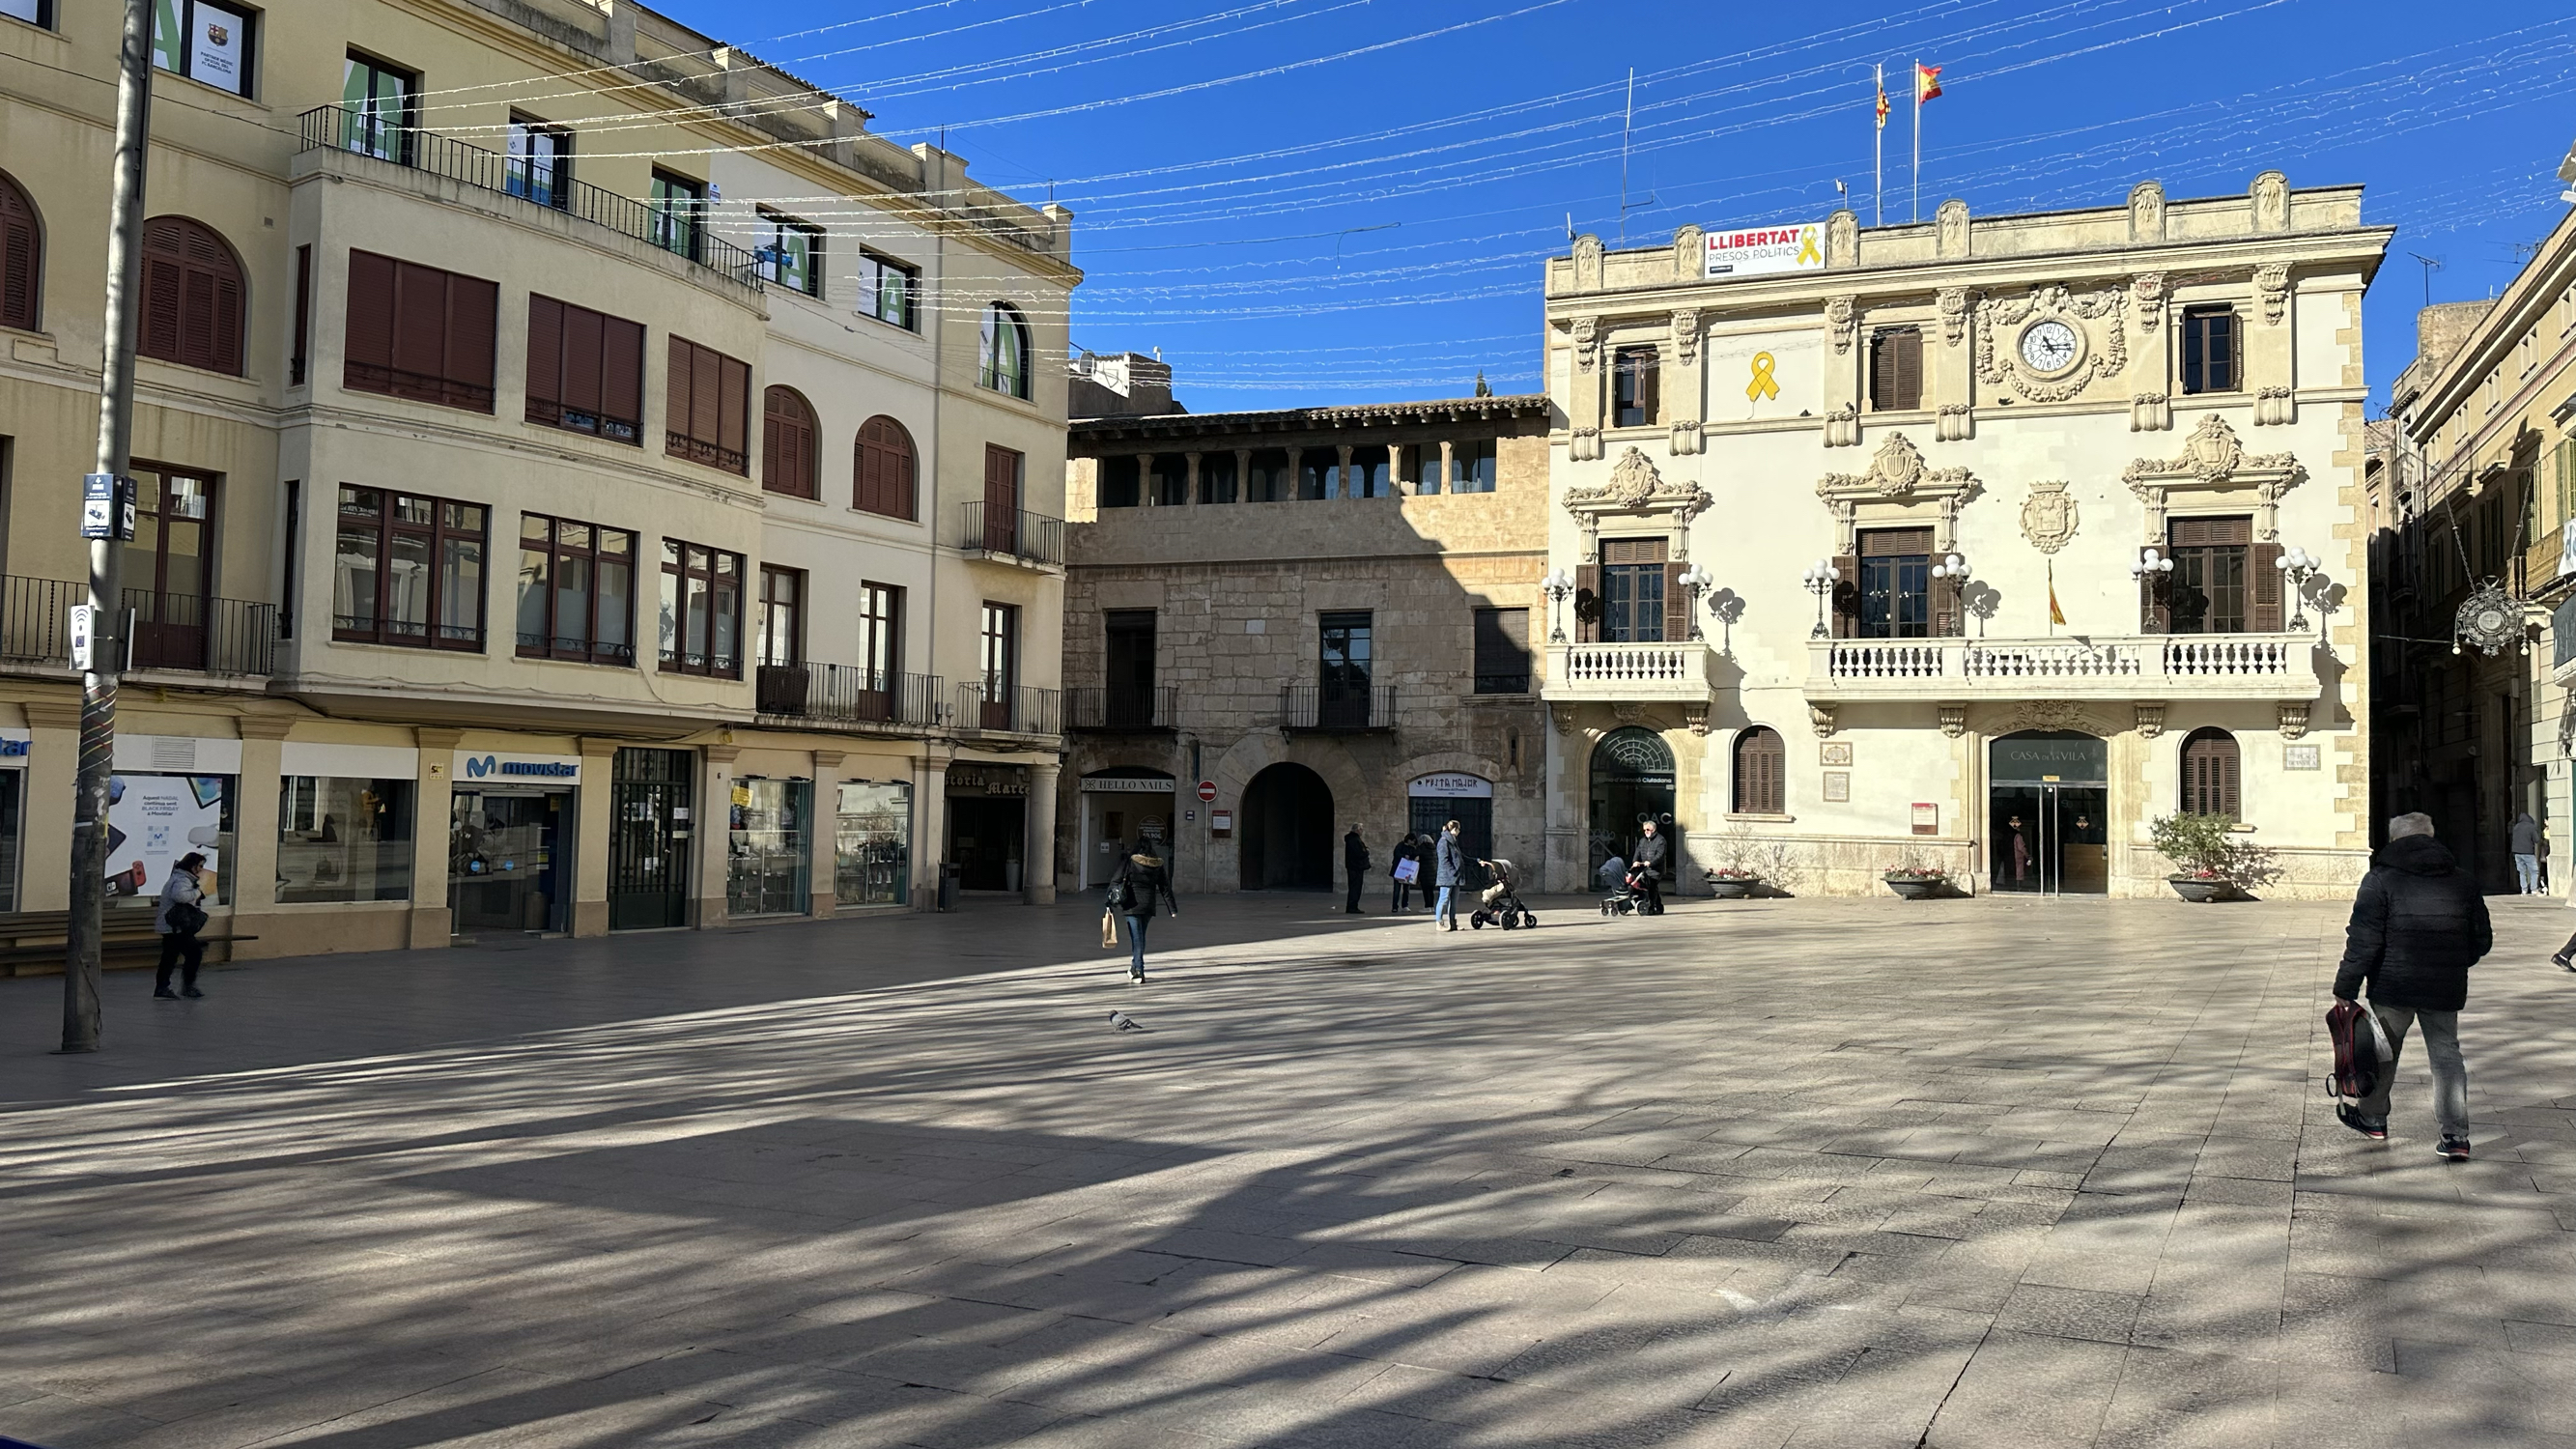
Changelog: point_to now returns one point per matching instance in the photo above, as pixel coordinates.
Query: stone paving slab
(1845, 1174)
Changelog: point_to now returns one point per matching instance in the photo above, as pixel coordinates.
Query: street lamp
(2297, 566)
(1698, 580)
(1558, 588)
(1953, 567)
(1819, 580)
(2149, 566)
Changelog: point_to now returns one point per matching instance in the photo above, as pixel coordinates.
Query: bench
(32, 942)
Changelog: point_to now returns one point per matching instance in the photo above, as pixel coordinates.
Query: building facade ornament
(2272, 284)
(2271, 202)
(1583, 445)
(2147, 212)
(2051, 714)
(1842, 426)
(2151, 718)
(1822, 717)
(2147, 295)
(1636, 487)
(1842, 240)
(1686, 335)
(1587, 343)
(1690, 253)
(1954, 314)
(2294, 719)
(1842, 318)
(1897, 471)
(1562, 715)
(1952, 221)
(1685, 439)
(2273, 407)
(1695, 715)
(2048, 515)
(1954, 423)
(1587, 263)
(2095, 321)
(1954, 719)
(2150, 412)
(1628, 711)
(2213, 457)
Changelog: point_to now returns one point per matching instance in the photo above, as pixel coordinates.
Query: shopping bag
(1408, 870)
(1108, 930)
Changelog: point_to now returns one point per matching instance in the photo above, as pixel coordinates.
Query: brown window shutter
(159, 334)
(1677, 604)
(473, 331)
(545, 353)
(1881, 382)
(1846, 596)
(1760, 767)
(1909, 368)
(866, 488)
(1587, 603)
(197, 345)
(21, 259)
(2263, 588)
(226, 325)
(676, 400)
(370, 340)
(621, 369)
(786, 444)
(1001, 478)
(1650, 388)
(733, 410)
(585, 362)
(706, 394)
(420, 325)
(2212, 774)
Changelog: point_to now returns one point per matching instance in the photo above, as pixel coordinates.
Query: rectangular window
(710, 397)
(408, 570)
(298, 362)
(1128, 672)
(1000, 658)
(1422, 467)
(207, 42)
(34, 12)
(1896, 583)
(701, 610)
(539, 168)
(782, 615)
(343, 839)
(1632, 590)
(1122, 482)
(1003, 473)
(881, 633)
(1502, 651)
(167, 577)
(1349, 650)
(420, 333)
(290, 592)
(576, 591)
(379, 108)
(872, 844)
(585, 371)
(1896, 369)
(2207, 586)
(1471, 467)
(887, 289)
(1171, 479)
(1634, 388)
(679, 214)
(2208, 350)
(791, 253)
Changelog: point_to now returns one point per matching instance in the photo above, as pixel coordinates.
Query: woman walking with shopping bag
(1133, 889)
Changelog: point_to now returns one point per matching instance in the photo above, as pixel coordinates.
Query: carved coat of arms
(2048, 516)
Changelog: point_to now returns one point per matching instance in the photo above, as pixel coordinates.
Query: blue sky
(1305, 201)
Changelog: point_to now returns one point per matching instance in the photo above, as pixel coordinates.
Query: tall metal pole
(106, 597)
(1878, 152)
(1625, 127)
(1916, 175)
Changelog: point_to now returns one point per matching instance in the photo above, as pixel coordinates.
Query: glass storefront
(154, 820)
(509, 859)
(12, 787)
(766, 848)
(343, 839)
(872, 844)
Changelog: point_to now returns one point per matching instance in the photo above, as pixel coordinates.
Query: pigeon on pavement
(1124, 1022)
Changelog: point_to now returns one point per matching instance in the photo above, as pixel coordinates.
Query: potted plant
(2213, 862)
(1916, 878)
(1746, 863)
(1732, 883)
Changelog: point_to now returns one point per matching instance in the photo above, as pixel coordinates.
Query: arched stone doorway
(1287, 839)
(1632, 780)
(2048, 803)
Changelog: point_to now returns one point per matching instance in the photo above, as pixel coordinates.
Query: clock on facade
(2048, 346)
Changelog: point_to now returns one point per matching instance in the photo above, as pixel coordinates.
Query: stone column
(1145, 480)
(594, 836)
(250, 877)
(1190, 482)
(1344, 470)
(821, 849)
(1448, 478)
(1396, 483)
(1243, 474)
(1037, 876)
(713, 820)
(53, 768)
(929, 830)
(433, 923)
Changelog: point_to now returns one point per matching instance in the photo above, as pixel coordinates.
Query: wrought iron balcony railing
(234, 637)
(841, 696)
(1006, 709)
(1134, 707)
(1011, 533)
(1345, 708)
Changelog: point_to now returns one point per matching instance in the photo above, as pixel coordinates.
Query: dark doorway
(506, 865)
(1288, 831)
(2047, 796)
(1130, 671)
(985, 833)
(649, 841)
(1632, 782)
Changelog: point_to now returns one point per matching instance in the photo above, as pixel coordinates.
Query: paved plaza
(1973, 1174)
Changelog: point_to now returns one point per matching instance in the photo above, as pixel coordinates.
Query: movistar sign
(479, 767)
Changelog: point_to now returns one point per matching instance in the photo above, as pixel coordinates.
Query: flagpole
(1917, 176)
(1878, 153)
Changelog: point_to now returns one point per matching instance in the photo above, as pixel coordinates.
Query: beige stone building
(1795, 438)
(589, 481)
(2473, 567)
(1325, 613)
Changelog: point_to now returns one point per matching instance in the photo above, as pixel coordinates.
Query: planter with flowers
(1733, 883)
(1916, 879)
(2213, 860)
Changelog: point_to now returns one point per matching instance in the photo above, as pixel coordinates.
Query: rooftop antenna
(1625, 127)
(2431, 265)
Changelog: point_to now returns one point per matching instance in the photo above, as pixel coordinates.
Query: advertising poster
(217, 50)
(152, 820)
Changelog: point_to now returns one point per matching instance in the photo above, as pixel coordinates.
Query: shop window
(420, 333)
(1761, 771)
(872, 844)
(153, 820)
(204, 41)
(539, 167)
(576, 591)
(1502, 651)
(710, 404)
(343, 839)
(2212, 772)
(1471, 467)
(408, 570)
(765, 847)
(585, 371)
(13, 785)
(192, 296)
(887, 289)
(787, 461)
(885, 470)
(2209, 343)
(701, 610)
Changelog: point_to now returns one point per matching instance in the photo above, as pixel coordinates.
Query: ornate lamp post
(1819, 580)
(1558, 588)
(1699, 581)
(2148, 567)
(2297, 567)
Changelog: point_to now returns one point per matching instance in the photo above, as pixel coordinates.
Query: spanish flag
(1927, 82)
(1882, 108)
(2056, 615)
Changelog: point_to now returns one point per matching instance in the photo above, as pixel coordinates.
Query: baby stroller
(1501, 904)
(1628, 897)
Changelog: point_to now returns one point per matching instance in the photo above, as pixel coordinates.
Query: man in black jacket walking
(1649, 861)
(1355, 864)
(2418, 925)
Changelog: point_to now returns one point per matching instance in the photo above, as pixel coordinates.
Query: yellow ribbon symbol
(1807, 247)
(1762, 386)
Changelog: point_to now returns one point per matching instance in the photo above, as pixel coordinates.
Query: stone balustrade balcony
(2133, 667)
(1626, 673)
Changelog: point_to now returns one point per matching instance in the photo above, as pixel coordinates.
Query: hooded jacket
(1145, 879)
(2418, 925)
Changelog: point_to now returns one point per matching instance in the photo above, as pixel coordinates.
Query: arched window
(1005, 354)
(787, 444)
(2211, 771)
(192, 296)
(885, 469)
(1761, 773)
(22, 257)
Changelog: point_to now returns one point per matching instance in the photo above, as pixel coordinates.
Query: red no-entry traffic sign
(1207, 790)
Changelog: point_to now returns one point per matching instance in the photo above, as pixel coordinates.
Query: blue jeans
(1446, 912)
(2528, 868)
(1136, 944)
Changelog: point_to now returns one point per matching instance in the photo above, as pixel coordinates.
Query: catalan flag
(1927, 82)
(2056, 615)
(1882, 107)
